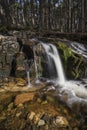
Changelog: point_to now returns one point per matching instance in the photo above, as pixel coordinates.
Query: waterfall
(36, 70)
(28, 78)
(53, 55)
(26, 65)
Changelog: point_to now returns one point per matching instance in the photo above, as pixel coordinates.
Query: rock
(46, 118)
(6, 99)
(18, 114)
(44, 102)
(39, 100)
(61, 121)
(41, 123)
(75, 128)
(20, 105)
(50, 99)
(10, 106)
(22, 98)
(31, 115)
(37, 118)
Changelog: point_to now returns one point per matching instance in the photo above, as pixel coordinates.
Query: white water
(26, 65)
(52, 52)
(58, 64)
(79, 48)
(76, 88)
(36, 70)
(28, 79)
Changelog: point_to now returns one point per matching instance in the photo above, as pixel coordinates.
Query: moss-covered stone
(74, 64)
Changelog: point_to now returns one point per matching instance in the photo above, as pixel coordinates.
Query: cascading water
(76, 90)
(28, 79)
(36, 70)
(79, 48)
(28, 73)
(52, 54)
(53, 65)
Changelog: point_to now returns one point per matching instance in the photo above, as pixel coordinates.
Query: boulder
(22, 98)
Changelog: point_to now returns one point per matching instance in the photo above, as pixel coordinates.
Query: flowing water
(26, 65)
(56, 72)
(79, 48)
(28, 79)
(53, 55)
(76, 88)
(36, 69)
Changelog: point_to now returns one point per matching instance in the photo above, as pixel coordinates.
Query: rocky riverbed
(35, 108)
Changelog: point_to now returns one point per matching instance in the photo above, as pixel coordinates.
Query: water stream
(36, 68)
(28, 79)
(52, 54)
(77, 92)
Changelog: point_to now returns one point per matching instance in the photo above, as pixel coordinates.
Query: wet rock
(20, 105)
(61, 121)
(22, 98)
(1, 108)
(6, 99)
(44, 102)
(41, 123)
(50, 99)
(10, 106)
(39, 100)
(37, 118)
(31, 115)
(46, 118)
(18, 114)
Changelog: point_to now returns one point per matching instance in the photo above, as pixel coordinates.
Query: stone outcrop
(74, 64)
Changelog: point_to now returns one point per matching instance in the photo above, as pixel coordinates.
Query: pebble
(41, 123)
(31, 115)
(61, 121)
(18, 114)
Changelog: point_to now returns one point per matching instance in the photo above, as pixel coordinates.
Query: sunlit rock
(18, 114)
(22, 98)
(61, 121)
(31, 115)
(41, 122)
(37, 117)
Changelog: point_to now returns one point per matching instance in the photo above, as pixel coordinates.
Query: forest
(58, 15)
(43, 64)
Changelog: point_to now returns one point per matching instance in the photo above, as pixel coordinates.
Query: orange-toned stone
(22, 98)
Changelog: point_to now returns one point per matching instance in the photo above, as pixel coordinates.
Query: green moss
(3, 29)
(74, 64)
(67, 52)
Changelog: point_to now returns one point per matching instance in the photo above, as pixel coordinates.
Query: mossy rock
(74, 64)
(3, 29)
